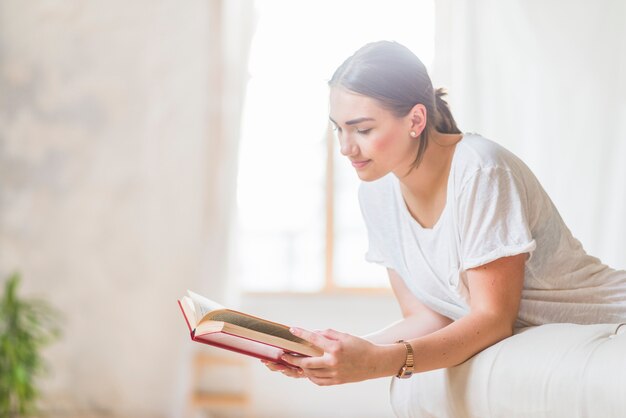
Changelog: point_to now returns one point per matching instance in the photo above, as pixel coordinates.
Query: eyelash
(359, 131)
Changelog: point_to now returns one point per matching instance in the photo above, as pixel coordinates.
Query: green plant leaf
(26, 327)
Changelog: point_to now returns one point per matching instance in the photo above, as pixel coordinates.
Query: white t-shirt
(495, 208)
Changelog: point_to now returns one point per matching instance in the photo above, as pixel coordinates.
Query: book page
(188, 312)
(203, 305)
(256, 324)
(207, 330)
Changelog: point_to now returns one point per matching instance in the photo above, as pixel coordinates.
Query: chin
(370, 176)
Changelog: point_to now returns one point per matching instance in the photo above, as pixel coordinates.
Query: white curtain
(548, 81)
(231, 32)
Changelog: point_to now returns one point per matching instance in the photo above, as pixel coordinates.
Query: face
(375, 140)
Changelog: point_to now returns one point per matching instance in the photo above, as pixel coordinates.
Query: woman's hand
(346, 359)
(294, 372)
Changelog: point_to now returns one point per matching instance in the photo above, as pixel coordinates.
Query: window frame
(329, 285)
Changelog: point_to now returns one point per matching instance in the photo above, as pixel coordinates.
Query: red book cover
(236, 343)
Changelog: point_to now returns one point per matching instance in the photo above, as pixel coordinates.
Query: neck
(427, 180)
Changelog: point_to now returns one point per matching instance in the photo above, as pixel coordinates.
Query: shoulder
(478, 152)
(476, 155)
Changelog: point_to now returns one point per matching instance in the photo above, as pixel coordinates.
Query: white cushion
(551, 371)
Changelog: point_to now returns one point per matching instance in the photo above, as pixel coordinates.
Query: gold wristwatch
(407, 370)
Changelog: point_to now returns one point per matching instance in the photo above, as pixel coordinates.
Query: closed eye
(364, 131)
(336, 128)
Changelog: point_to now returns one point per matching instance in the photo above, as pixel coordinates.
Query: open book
(213, 324)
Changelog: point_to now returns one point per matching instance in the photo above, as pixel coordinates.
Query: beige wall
(103, 186)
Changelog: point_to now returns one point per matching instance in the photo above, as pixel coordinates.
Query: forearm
(411, 327)
(495, 290)
(351, 359)
(447, 346)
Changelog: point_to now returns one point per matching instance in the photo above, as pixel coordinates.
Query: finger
(322, 362)
(286, 370)
(295, 373)
(323, 381)
(296, 361)
(331, 334)
(275, 367)
(319, 373)
(325, 361)
(312, 337)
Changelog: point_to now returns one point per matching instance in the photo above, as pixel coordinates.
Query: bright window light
(281, 197)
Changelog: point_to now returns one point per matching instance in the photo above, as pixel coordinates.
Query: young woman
(473, 245)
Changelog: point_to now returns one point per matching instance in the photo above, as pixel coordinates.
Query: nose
(348, 146)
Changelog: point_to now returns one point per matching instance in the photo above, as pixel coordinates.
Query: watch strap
(409, 364)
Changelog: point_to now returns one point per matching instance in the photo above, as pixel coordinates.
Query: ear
(417, 118)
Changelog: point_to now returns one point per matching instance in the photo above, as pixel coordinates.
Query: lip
(360, 164)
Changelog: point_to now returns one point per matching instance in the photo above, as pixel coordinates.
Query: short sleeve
(493, 217)
(374, 253)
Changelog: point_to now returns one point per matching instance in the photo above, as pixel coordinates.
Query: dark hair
(391, 74)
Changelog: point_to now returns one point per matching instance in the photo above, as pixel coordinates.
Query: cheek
(383, 142)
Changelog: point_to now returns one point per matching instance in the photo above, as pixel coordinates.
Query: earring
(413, 134)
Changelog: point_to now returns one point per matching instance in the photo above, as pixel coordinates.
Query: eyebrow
(353, 121)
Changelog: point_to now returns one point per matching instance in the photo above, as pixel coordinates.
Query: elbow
(499, 326)
(504, 328)
(507, 331)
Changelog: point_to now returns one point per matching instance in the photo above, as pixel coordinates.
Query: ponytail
(445, 121)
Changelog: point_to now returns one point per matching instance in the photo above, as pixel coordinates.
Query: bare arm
(495, 291)
(418, 319)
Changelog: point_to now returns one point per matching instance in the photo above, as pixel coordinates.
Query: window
(299, 223)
